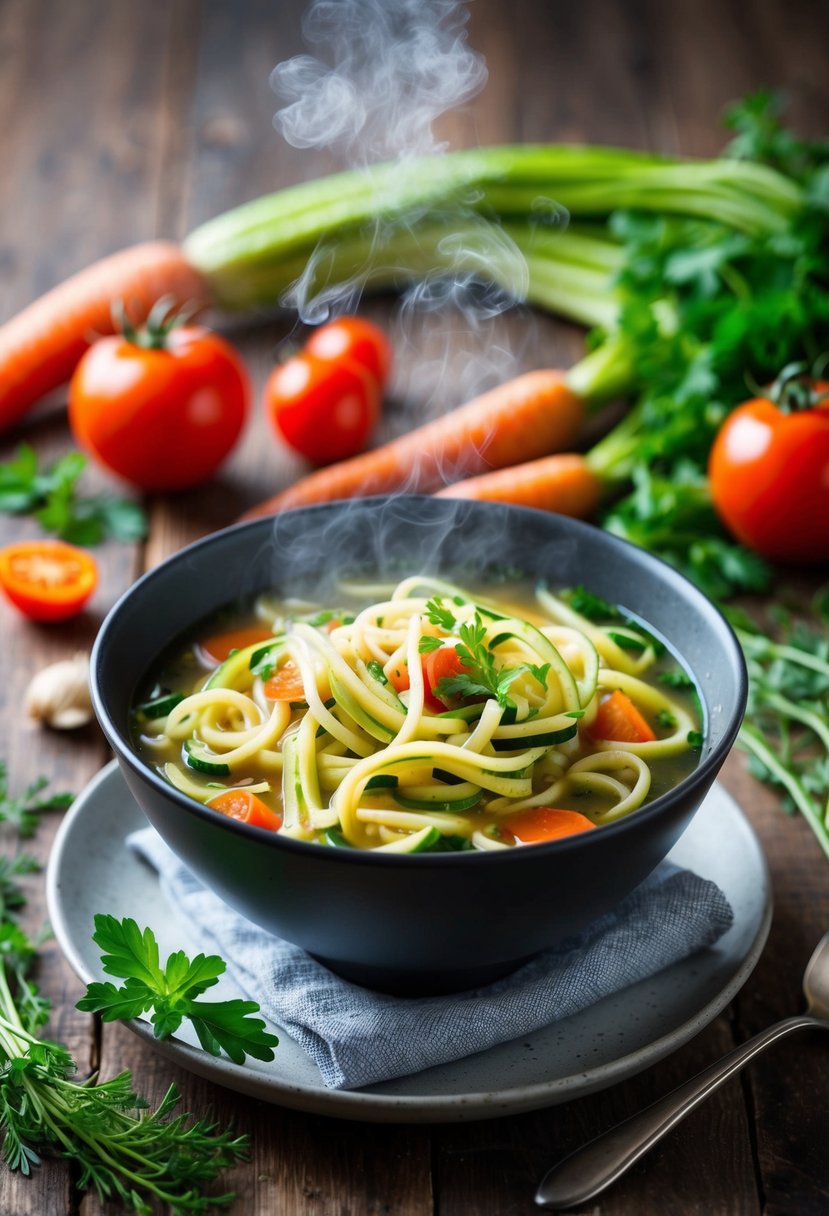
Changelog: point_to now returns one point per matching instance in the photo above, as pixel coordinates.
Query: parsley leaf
(427, 644)
(440, 615)
(171, 991)
(51, 495)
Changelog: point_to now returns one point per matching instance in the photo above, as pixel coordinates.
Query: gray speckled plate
(92, 870)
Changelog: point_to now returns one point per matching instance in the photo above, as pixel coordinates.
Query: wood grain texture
(122, 122)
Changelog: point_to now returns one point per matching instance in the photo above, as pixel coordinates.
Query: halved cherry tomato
(436, 665)
(241, 804)
(285, 684)
(356, 340)
(160, 407)
(769, 474)
(539, 823)
(216, 649)
(47, 580)
(618, 720)
(325, 411)
(441, 665)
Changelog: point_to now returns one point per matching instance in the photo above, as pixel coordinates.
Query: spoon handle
(596, 1165)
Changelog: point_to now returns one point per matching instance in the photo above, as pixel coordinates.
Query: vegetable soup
(422, 717)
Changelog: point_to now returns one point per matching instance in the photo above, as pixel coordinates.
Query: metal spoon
(592, 1168)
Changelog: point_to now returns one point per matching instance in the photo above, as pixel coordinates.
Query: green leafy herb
(591, 606)
(376, 670)
(665, 719)
(131, 1156)
(481, 677)
(440, 615)
(51, 495)
(24, 811)
(171, 993)
(625, 642)
(12, 896)
(676, 678)
(786, 731)
(427, 644)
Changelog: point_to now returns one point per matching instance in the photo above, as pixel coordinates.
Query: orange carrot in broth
(531, 415)
(563, 483)
(41, 346)
(619, 721)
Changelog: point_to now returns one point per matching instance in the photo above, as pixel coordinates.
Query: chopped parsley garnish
(440, 615)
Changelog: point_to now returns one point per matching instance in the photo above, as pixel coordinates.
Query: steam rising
(380, 75)
(386, 70)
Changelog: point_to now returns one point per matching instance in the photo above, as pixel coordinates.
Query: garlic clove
(58, 695)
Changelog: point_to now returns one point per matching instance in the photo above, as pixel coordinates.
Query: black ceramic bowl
(418, 922)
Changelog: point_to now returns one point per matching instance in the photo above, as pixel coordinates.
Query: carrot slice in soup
(540, 823)
(216, 649)
(241, 804)
(285, 684)
(619, 720)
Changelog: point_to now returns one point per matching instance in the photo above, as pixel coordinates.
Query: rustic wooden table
(123, 121)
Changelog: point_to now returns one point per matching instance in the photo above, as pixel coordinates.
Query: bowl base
(407, 983)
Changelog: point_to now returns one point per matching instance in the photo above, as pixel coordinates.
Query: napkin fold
(358, 1037)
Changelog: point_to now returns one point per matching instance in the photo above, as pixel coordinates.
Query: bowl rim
(698, 779)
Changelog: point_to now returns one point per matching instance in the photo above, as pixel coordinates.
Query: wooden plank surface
(127, 121)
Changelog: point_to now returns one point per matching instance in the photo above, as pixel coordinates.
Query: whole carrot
(564, 483)
(525, 418)
(40, 346)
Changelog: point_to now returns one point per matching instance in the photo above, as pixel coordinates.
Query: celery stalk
(251, 254)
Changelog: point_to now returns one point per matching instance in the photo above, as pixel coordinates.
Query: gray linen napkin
(357, 1037)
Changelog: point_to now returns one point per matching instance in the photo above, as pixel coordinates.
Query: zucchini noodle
(429, 719)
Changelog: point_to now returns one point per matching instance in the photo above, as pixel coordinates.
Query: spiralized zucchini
(430, 720)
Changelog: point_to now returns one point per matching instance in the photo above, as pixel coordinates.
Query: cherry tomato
(769, 474)
(162, 416)
(47, 580)
(436, 665)
(324, 410)
(356, 340)
(440, 665)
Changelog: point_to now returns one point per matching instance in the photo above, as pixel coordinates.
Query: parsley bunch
(706, 315)
(131, 1155)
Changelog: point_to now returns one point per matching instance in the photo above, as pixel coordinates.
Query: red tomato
(356, 340)
(439, 665)
(162, 417)
(325, 411)
(435, 665)
(769, 473)
(47, 580)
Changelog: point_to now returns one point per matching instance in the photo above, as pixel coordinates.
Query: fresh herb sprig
(129, 1154)
(52, 496)
(481, 677)
(23, 812)
(171, 993)
(786, 731)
